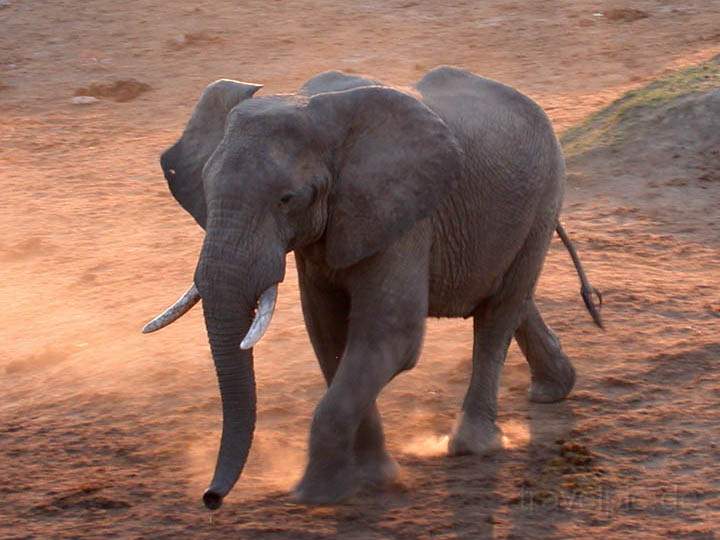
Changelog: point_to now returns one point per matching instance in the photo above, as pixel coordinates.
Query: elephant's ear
(395, 161)
(183, 162)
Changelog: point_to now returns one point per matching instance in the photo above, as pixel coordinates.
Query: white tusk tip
(263, 316)
(174, 312)
(148, 328)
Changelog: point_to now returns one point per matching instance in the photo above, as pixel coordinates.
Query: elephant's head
(348, 172)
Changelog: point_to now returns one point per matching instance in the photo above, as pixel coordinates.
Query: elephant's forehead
(277, 111)
(275, 161)
(274, 139)
(244, 150)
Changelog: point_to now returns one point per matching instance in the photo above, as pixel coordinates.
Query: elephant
(436, 200)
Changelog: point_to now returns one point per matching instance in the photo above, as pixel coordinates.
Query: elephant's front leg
(384, 335)
(326, 311)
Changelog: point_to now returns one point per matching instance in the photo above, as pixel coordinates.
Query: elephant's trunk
(228, 301)
(231, 276)
(236, 378)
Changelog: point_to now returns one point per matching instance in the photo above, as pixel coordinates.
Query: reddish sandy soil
(105, 432)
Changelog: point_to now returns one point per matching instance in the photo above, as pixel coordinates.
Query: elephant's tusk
(174, 312)
(263, 316)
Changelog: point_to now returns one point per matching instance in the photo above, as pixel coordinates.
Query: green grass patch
(607, 127)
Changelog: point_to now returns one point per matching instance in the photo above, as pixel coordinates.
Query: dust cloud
(105, 432)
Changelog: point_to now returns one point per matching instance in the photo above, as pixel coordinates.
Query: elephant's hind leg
(553, 375)
(495, 322)
(475, 430)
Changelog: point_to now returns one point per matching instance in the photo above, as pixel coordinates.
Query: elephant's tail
(586, 290)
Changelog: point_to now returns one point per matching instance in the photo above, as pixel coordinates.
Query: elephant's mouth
(261, 322)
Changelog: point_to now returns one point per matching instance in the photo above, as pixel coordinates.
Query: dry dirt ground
(104, 432)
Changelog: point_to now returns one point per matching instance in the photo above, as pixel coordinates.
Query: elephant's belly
(460, 298)
(471, 256)
(461, 279)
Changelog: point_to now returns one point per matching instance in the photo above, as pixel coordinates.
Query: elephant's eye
(285, 199)
(298, 199)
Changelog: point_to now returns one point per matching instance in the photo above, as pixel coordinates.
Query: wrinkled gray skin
(439, 201)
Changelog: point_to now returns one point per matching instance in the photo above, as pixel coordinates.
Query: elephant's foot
(553, 384)
(326, 484)
(475, 436)
(377, 470)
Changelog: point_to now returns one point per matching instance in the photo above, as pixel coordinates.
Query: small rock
(192, 39)
(84, 100)
(5, 3)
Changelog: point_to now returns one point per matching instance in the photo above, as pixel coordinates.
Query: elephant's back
(485, 112)
(459, 95)
(513, 175)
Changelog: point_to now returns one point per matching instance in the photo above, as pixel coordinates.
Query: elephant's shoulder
(335, 81)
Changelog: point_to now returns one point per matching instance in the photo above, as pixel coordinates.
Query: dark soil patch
(121, 90)
(86, 497)
(626, 15)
